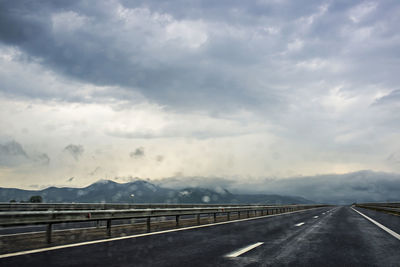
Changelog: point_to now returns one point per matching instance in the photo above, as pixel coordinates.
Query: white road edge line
(393, 233)
(243, 250)
(299, 224)
(140, 235)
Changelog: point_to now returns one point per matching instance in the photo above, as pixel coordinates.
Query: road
(335, 236)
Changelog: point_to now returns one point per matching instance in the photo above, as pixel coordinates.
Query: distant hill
(361, 186)
(144, 192)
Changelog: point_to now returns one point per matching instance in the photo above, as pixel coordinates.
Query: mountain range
(141, 191)
(360, 186)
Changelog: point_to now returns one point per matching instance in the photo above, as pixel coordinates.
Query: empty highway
(334, 236)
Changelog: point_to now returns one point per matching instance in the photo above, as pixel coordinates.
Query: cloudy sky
(114, 89)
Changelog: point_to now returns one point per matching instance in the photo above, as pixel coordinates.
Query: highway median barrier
(392, 208)
(141, 218)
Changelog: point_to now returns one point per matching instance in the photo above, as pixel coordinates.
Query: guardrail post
(177, 220)
(148, 224)
(97, 224)
(109, 227)
(215, 217)
(48, 233)
(228, 216)
(198, 219)
(238, 214)
(248, 214)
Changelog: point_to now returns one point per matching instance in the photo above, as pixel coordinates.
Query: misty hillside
(144, 192)
(362, 186)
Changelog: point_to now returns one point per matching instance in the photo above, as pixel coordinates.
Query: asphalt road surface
(335, 236)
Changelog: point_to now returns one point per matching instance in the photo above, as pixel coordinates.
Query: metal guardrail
(15, 218)
(382, 204)
(385, 207)
(102, 206)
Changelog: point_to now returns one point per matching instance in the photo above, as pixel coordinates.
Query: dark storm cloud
(89, 55)
(138, 153)
(42, 158)
(75, 151)
(279, 60)
(12, 154)
(242, 62)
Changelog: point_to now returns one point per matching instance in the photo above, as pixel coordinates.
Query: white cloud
(296, 45)
(249, 89)
(68, 21)
(188, 33)
(358, 13)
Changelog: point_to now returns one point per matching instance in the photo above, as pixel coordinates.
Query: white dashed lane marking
(243, 250)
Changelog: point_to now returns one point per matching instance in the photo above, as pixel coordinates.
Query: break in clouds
(218, 88)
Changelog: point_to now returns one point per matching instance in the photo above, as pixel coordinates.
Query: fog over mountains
(362, 186)
(141, 191)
